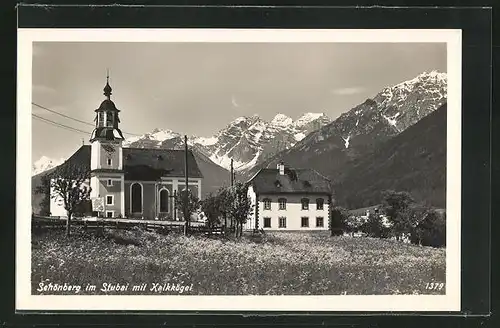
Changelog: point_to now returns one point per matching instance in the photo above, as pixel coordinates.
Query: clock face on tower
(108, 148)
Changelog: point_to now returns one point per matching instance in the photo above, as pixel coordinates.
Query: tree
(67, 182)
(399, 209)
(187, 205)
(241, 206)
(225, 203)
(211, 206)
(339, 219)
(354, 223)
(374, 226)
(431, 230)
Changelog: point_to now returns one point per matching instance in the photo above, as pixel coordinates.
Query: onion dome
(107, 89)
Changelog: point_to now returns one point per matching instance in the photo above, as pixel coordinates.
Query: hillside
(414, 161)
(214, 176)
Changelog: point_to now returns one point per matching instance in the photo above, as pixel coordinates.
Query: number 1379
(434, 285)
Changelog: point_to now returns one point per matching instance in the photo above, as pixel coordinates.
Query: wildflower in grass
(278, 263)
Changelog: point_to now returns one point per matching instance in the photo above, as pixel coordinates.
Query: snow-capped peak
(238, 120)
(161, 135)
(307, 118)
(45, 163)
(433, 75)
(246, 139)
(206, 141)
(281, 120)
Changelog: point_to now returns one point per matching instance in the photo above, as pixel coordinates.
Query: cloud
(348, 91)
(233, 101)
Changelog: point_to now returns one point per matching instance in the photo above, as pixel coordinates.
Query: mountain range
(246, 140)
(363, 127)
(334, 148)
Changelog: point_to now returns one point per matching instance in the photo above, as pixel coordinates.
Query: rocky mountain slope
(365, 126)
(246, 140)
(413, 161)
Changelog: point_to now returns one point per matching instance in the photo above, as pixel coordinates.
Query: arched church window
(136, 197)
(164, 201)
(100, 119)
(109, 119)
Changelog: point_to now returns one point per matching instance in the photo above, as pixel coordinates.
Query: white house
(289, 199)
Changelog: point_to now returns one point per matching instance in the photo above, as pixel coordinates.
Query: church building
(138, 183)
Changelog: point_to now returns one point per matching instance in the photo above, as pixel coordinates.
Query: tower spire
(107, 88)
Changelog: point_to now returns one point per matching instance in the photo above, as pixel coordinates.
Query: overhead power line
(60, 114)
(74, 119)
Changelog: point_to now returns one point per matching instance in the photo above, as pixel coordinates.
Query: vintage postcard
(238, 170)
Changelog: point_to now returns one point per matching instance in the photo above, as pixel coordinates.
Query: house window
(109, 161)
(319, 203)
(110, 214)
(267, 204)
(282, 222)
(136, 197)
(319, 222)
(304, 223)
(305, 204)
(109, 200)
(164, 201)
(267, 222)
(110, 183)
(282, 203)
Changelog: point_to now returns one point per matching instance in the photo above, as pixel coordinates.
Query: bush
(374, 226)
(354, 223)
(431, 231)
(82, 209)
(338, 223)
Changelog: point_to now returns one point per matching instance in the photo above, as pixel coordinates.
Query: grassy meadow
(274, 263)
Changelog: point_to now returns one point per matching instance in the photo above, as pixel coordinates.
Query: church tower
(106, 164)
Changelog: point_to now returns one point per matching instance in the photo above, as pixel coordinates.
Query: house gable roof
(294, 181)
(146, 164)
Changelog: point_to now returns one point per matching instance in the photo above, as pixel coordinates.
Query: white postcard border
(448, 302)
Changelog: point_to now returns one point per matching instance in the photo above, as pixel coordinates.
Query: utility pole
(232, 173)
(186, 195)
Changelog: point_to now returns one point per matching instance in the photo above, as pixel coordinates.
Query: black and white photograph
(305, 170)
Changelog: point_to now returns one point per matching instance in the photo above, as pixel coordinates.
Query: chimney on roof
(281, 168)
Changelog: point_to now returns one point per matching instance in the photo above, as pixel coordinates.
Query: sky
(199, 88)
